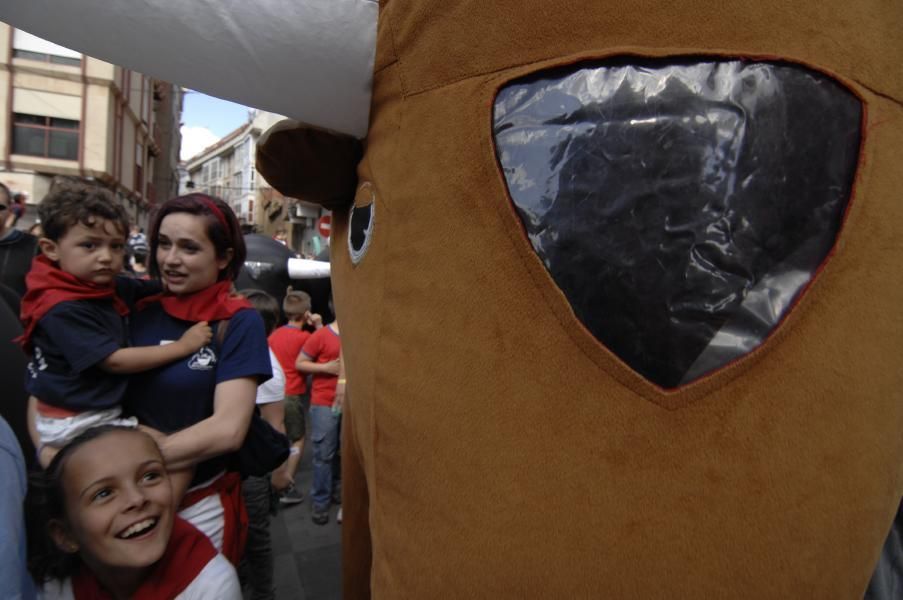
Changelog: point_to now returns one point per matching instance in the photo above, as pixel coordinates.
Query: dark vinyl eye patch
(680, 205)
(361, 222)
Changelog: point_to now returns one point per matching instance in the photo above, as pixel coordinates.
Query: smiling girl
(102, 526)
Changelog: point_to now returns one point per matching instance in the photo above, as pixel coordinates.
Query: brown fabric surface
(355, 520)
(310, 163)
(500, 451)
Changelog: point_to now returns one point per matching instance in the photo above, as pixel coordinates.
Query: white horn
(302, 268)
(311, 60)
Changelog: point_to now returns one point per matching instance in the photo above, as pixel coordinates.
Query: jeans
(324, 432)
(257, 564)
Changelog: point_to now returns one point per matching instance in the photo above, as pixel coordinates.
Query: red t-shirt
(322, 347)
(286, 343)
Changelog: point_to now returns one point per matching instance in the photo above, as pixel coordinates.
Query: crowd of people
(167, 410)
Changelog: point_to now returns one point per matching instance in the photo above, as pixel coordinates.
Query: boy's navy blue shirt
(70, 342)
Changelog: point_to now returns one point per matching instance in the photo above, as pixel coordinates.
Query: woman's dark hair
(223, 230)
(265, 305)
(46, 501)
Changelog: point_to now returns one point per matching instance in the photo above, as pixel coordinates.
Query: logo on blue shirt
(202, 360)
(37, 363)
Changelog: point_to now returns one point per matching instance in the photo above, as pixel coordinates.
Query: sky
(206, 119)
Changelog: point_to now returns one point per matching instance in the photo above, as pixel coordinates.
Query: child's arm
(135, 360)
(132, 290)
(304, 364)
(315, 320)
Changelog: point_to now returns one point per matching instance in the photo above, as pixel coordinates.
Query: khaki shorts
(296, 406)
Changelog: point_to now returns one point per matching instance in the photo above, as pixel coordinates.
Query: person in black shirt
(17, 248)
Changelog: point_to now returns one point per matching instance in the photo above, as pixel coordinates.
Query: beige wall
(98, 156)
(6, 33)
(127, 176)
(91, 95)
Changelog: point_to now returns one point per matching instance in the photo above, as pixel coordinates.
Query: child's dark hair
(296, 303)
(266, 306)
(46, 501)
(71, 202)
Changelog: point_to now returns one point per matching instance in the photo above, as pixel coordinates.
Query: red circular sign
(324, 225)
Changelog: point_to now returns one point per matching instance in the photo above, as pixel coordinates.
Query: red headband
(218, 214)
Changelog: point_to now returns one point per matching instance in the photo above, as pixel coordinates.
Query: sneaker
(320, 517)
(291, 496)
(338, 517)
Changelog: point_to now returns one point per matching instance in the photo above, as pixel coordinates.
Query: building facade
(66, 114)
(226, 170)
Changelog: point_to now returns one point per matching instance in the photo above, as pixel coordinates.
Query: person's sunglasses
(3, 207)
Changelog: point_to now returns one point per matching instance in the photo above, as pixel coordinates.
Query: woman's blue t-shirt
(180, 394)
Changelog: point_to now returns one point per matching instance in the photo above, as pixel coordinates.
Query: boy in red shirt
(320, 357)
(286, 343)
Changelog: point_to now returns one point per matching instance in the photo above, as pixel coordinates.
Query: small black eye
(360, 230)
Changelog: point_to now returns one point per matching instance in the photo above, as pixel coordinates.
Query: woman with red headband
(203, 404)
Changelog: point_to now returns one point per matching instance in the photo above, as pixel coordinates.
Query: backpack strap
(220, 335)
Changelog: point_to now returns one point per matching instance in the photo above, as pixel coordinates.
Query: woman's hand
(158, 436)
(221, 433)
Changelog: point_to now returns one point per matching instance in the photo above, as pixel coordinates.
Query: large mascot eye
(362, 220)
(681, 208)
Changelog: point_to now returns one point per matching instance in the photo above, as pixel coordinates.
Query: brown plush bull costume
(504, 438)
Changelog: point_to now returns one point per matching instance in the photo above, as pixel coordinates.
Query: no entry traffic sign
(324, 225)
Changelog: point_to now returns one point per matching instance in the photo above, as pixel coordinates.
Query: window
(139, 168)
(45, 136)
(139, 179)
(48, 58)
(31, 47)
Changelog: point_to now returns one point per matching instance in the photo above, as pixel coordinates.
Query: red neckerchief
(187, 553)
(48, 285)
(214, 303)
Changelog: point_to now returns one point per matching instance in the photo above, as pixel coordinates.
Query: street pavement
(307, 556)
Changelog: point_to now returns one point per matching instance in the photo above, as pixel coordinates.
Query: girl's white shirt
(216, 581)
